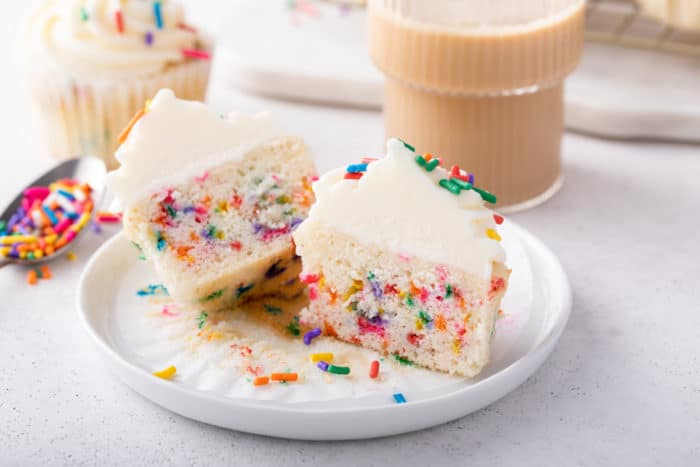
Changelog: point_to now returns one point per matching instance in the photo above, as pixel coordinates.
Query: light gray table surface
(622, 387)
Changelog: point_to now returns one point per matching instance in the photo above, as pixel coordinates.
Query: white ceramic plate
(138, 335)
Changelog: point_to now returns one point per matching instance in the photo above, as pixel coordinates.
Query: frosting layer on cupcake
(108, 39)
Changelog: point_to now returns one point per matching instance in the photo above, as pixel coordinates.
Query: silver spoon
(88, 169)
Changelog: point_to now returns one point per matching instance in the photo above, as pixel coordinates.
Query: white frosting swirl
(399, 206)
(82, 37)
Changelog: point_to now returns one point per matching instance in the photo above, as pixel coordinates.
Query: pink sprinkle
(108, 218)
(313, 293)
(405, 257)
(275, 177)
(200, 209)
(63, 225)
(40, 192)
(166, 311)
(367, 327)
(442, 272)
(314, 178)
(70, 235)
(424, 294)
(192, 53)
(308, 278)
(202, 178)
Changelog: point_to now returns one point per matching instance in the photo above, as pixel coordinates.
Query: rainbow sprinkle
(47, 219)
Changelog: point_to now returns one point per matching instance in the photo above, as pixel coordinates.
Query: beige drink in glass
(480, 84)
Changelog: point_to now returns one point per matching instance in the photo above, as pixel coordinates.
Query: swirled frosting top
(108, 39)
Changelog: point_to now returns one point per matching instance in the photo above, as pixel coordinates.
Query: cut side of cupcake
(403, 257)
(212, 201)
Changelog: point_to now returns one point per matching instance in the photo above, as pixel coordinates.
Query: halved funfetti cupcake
(212, 201)
(403, 257)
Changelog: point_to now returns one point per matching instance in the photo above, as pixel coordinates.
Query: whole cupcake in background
(91, 64)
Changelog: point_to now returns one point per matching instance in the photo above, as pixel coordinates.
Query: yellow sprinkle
(419, 324)
(70, 256)
(23, 255)
(456, 347)
(326, 357)
(38, 254)
(215, 335)
(81, 222)
(4, 251)
(17, 239)
(219, 234)
(168, 373)
(51, 239)
(493, 235)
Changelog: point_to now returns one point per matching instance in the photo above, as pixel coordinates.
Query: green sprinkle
(272, 309)
(214, 295)
(171, 211)
(83, 14)
(448, 291)
(352, 306)
(430, 166)
(202, 319)
(211, 230)
(293, 327)
(30, 255)
(402, 360)
(39, 274)
(425, 317)
(338, 370)
(142, 257)
(284, 199)
(243, 289)
(408, 146)
(461, 183)
(370, 276)
(449, 186)
(485, 195)
(2, 225)
(409, 300)
(420, 161)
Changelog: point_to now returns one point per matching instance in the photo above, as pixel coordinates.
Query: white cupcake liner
(79, 117)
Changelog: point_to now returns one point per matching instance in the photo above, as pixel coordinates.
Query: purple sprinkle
(188, 209)
(322, 365)
(149, 38)
(21, 212)
(258, 227)
(11, 223)
(309, 336)
(471, 178)
(95, 228)
(13, 254)
(295, 223)
(23, 230)
(376, 289)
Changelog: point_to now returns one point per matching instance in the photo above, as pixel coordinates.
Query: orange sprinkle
(49, 250)
(32, 277)
(440, 323)
(329, 330)
(125, 132)
(284, 376)
(45, 272)
(427, 156)
(261, 381)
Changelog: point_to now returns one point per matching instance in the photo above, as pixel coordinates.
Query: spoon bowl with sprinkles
(52, 212)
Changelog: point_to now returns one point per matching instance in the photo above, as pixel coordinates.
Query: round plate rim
(500, 383)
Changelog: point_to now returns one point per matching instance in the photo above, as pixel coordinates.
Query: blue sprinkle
(158, 15)
(399, 398)
(323, 366)
(72, 215)
(160, 241)
(66, 194)
(356, 168)
(50, 214)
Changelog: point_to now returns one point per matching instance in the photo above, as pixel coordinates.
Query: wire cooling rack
(622, 22)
